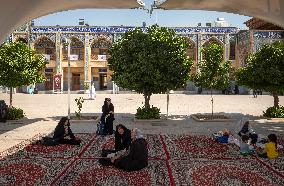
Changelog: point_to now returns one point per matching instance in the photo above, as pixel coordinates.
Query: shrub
(79, 101)
(15, 113)
(274, 112)
(150, 113)
(86, 86)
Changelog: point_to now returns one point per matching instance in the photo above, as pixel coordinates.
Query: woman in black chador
(122, 141)
(63, 134)
(135, 158)
(108, 116)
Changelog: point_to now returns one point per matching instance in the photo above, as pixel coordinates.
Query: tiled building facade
(90, 45)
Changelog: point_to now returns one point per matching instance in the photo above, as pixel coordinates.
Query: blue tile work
(179, 30)
(268, 35)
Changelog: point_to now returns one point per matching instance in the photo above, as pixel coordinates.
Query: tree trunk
(147, 100)
(212, 101)
(11, 94)
(276, 99)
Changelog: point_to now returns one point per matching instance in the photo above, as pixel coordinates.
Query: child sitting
(270, 148)
(244, 146)
(222, 136)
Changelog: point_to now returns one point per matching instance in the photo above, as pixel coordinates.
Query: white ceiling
(269, 10)
(15, 13)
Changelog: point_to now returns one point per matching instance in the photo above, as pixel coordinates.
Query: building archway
(44, 45)
(23, 11)
(212, 40)
(99, 47)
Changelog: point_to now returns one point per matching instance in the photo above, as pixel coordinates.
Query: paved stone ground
(43, 110)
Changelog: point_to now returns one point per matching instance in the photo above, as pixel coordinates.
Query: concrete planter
(208, 118)
(84, 119)
(275, 119)
(146, 120)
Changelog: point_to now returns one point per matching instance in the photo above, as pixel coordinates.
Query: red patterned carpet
(173, 160)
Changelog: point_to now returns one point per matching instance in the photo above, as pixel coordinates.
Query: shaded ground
(175, 156)
(173, 160)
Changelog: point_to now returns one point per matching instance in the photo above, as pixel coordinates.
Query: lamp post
(68, 41)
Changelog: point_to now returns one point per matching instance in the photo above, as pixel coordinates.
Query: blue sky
(135, 17)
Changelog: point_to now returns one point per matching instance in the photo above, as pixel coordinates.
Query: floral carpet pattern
(173, 160)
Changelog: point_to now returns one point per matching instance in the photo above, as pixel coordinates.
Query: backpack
(100, 128)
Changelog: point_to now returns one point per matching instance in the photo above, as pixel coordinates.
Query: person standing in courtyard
(107, 117)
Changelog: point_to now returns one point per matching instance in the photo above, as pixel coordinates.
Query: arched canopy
(268, 10)
(44, 42)
(15, 13)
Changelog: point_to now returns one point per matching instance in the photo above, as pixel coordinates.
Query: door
(49, 81)
(103, 81)
(75, 81)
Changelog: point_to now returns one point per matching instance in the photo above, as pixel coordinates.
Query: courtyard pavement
(44, 110)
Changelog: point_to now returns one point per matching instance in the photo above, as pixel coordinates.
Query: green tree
(150, 62)
(213, 72)
(20, 65)
(264, 70)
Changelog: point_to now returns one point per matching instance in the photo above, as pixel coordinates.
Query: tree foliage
(150, 62)
(213, 72)
(264, 70)
(20, 65)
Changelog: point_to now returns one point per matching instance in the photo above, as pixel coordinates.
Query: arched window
(76, 48)
(44, 45)
(191, 51)
(211, 41)
(23, 40)
(99, 47)
(232, 55)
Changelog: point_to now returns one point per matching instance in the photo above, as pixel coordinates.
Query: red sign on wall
(57, 82)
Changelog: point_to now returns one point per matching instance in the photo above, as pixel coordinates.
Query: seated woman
(136, 158)
(122, 140)
(62, 135)
(247, 131)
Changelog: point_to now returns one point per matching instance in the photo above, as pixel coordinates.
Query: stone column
(58, 55)
(58, 51)
(198, 47)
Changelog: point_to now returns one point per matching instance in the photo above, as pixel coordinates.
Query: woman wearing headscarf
(122, 140)
(108, 116)
(63, 133)
(246, 129)
(136, 157)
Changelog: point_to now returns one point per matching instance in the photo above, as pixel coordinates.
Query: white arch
(15, 13)
(269, 10)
